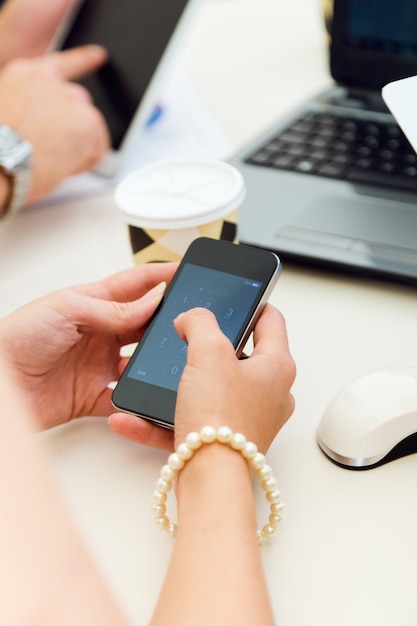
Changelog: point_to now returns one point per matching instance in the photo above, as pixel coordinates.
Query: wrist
(222, 490)
(212, 467)
(216, 454)
(214, 495)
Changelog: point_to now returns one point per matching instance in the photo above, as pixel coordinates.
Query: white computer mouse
(370, 418)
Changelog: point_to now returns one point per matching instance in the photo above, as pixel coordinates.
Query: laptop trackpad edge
(378, 229)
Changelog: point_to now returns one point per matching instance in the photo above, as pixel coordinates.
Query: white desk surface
(347, 551)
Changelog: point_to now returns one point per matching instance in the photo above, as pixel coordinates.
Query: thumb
(109, 316)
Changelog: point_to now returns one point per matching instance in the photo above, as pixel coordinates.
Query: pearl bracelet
(238, 442)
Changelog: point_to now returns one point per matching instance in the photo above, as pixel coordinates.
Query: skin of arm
(46, 575)
(215, 575)
(57, 356)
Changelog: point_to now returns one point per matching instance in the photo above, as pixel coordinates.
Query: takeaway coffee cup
(169, 203)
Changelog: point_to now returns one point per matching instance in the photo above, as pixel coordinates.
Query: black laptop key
(347, 148)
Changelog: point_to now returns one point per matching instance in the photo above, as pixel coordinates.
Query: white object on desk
(369, 417)
(400, 96)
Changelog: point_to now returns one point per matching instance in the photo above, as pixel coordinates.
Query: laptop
(141, 37)
(334, 184)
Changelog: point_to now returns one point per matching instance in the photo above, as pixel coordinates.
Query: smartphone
(233, 281)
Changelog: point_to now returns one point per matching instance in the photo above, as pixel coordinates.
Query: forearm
(46, 576)
(216, 542)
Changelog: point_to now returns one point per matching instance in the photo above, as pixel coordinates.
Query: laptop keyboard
(343, 148)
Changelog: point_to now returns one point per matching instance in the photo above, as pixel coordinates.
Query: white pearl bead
(175, 462)
(224, 434)
(268, 531)
(276, 509)
(275, 520)
(167, 473)
(162, 522)
(249, 450)
(270, 484)
(184, 452)
(193, 441)
(238, 441)
(265, 472)
(208, 434)
(163, 485)
(273, 496)
(258, 461)
(172, 530)
(159, 509)
(159, 498)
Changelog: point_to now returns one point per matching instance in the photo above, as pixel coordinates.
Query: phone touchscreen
(162, 356)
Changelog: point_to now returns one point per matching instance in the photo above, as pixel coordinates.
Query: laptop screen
(373, 42)
(136, 34)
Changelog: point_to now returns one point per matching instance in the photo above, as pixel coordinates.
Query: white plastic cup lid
(180, 193)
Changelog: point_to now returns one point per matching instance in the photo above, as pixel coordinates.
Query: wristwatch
(16, 163)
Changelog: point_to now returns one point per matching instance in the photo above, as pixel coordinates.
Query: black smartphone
(233, 281)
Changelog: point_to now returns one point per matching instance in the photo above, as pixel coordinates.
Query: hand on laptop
(56, 116)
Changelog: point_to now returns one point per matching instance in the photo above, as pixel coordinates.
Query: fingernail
(97, 50)
(156, 292)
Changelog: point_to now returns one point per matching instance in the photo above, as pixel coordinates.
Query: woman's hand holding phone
(251, 395)
(64, 349)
